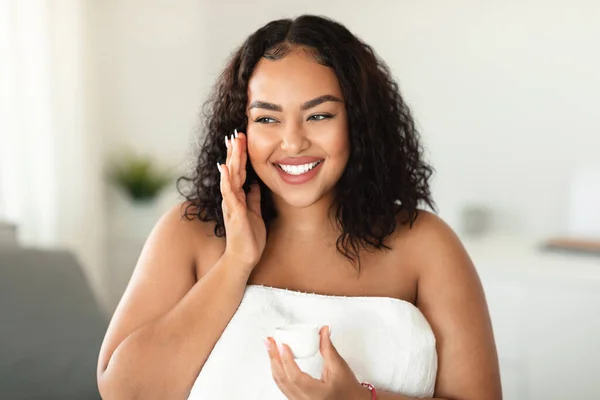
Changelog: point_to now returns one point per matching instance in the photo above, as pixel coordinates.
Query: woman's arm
(167, 323)
(391, 396)
(451, 297)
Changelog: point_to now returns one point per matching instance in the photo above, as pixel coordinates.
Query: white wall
(151, 75)
(504, 92)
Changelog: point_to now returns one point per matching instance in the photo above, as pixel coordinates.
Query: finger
(276, 366)
(229, 199)
(277, 370)
(328, 350)
(253, 199)
(293, 372)
(243, 139)
(229, 146)
(236, 185)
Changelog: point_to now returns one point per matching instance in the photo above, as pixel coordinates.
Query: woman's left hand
(337, 379)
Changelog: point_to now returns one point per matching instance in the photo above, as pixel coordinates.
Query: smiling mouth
(298, 169)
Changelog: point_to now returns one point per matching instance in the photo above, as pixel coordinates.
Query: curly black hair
(386, 176)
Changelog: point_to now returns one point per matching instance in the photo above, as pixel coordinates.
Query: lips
(298, 160)
(296, 178)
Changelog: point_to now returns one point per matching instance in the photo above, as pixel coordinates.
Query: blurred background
(99, 114)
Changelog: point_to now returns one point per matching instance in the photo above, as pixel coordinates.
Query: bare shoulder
(438, 257)
(427, 227)
(433, 244)
(179, 228)
(428, 244)
(451, 297)
(168, 263)
(180, 220)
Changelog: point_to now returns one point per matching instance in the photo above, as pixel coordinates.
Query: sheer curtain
(50, 155)
(27, 153)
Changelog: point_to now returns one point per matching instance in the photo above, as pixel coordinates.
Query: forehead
(295, 77)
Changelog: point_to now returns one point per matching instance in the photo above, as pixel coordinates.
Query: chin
(300, 200)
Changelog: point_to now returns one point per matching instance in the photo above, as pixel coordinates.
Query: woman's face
(297, 128)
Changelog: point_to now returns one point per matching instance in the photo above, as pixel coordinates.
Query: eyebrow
(305, 106)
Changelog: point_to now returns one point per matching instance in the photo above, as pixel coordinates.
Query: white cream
(298, 169)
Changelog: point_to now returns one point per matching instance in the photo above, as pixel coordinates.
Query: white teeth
(298, 169)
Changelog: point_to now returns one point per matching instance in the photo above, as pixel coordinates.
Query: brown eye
(265, 120)
(319, 117)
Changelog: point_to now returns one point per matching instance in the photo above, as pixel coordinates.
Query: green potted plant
(139, 177)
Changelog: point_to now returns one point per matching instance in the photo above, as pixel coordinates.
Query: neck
(311, 223)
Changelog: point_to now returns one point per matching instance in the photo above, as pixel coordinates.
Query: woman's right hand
(246, 234)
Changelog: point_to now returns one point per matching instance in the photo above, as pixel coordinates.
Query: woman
(328, 232)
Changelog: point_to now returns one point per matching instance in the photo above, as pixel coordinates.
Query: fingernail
(280, 348)
(226, 141)
(267, 343)
(236, 133)
(219, 167)
(232, 141)
(329, 329)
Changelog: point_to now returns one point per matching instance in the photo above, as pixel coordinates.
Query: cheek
(337, 142)
(341, 144)
(259, 148)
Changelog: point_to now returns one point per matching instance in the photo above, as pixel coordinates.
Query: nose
(294, 139)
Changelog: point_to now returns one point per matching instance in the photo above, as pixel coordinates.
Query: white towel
(386, 342)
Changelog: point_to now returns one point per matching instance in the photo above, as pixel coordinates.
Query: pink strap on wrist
(372, 389)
